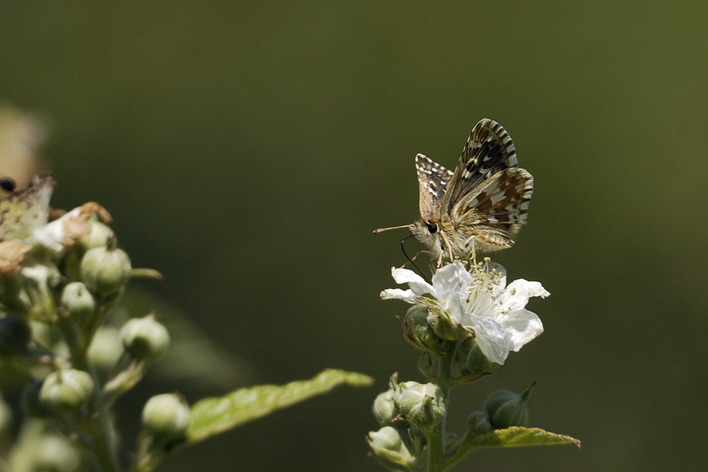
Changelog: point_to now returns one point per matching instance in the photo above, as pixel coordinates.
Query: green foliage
(515, 436)
(211, 416)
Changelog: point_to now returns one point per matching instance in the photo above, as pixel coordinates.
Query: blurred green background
(247, 149)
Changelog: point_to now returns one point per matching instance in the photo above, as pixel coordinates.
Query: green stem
(100, 428)
(436, 437)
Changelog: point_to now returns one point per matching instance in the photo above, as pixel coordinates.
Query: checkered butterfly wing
(433, 180)
(25, 210)
(488, 191)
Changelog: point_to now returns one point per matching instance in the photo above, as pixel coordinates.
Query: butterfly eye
(8, 184)
(432, 227)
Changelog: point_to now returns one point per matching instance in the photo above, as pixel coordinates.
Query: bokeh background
(247, 149)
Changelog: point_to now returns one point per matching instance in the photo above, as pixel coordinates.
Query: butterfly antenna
(411, 260)
(381, 230)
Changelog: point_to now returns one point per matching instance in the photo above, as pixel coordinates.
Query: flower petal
(52, 234)
(396, 293)
(523, 326)
(414, 281)
(451, 285)
(493, 338)
(517, 294)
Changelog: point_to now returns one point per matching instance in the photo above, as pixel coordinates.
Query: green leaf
(517, 437)
(212, 416)
(510, 437)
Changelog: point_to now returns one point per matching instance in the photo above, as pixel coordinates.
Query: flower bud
(390, 444)
(105, 350)
(478, 423)
(166, 416)
(15, 334)
(417, 331)
(66, 390)
(506, 409)
(385, 409)
(422, 405)
(79, 302)
(98, 237)
(444, 326)
(470, 363)
(475, 362)
(428, 365)
(144, 338)
(54, 453)
(105, 270)
(39, 280)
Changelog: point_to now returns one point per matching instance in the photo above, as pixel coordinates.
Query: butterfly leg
(447, 247)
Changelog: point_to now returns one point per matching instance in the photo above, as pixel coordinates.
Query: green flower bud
(98, 237)
(470, 363)
(506, 409)
(166, 416)
(444, 326)
(79, 302)
(417, 331)
(56, 454)
(66, 390)
(475, 361)
(36, 297)
(390, 444)
(106, 348)
(428, 365)
(31, 405)
(145, 338)
(105, 270)
(385, 409)
(422, 405)
(478, 423)
(15, 335)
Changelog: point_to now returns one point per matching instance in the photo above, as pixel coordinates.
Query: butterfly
(25, 210)
(480, 206)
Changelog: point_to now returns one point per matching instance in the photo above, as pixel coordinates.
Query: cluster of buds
(59, 280)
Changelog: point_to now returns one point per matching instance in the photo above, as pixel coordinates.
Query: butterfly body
(478, 207)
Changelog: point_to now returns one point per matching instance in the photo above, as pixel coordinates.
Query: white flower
(52, 234)
(478, 301)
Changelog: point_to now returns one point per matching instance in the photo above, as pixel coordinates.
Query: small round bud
(428, 365)
(56, 454)
(15, 334)
(478, 422)
(66, 390)
(106, 348)
(506, 408)
(475, 361)
(166, 416)
(422, 405)
(78, 301)
(391, 445)
(105, 270)
(145, 338)
(385, 409)
(417, 331)
(98, 237)
(444, 326)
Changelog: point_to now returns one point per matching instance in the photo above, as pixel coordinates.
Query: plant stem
(436, 437)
